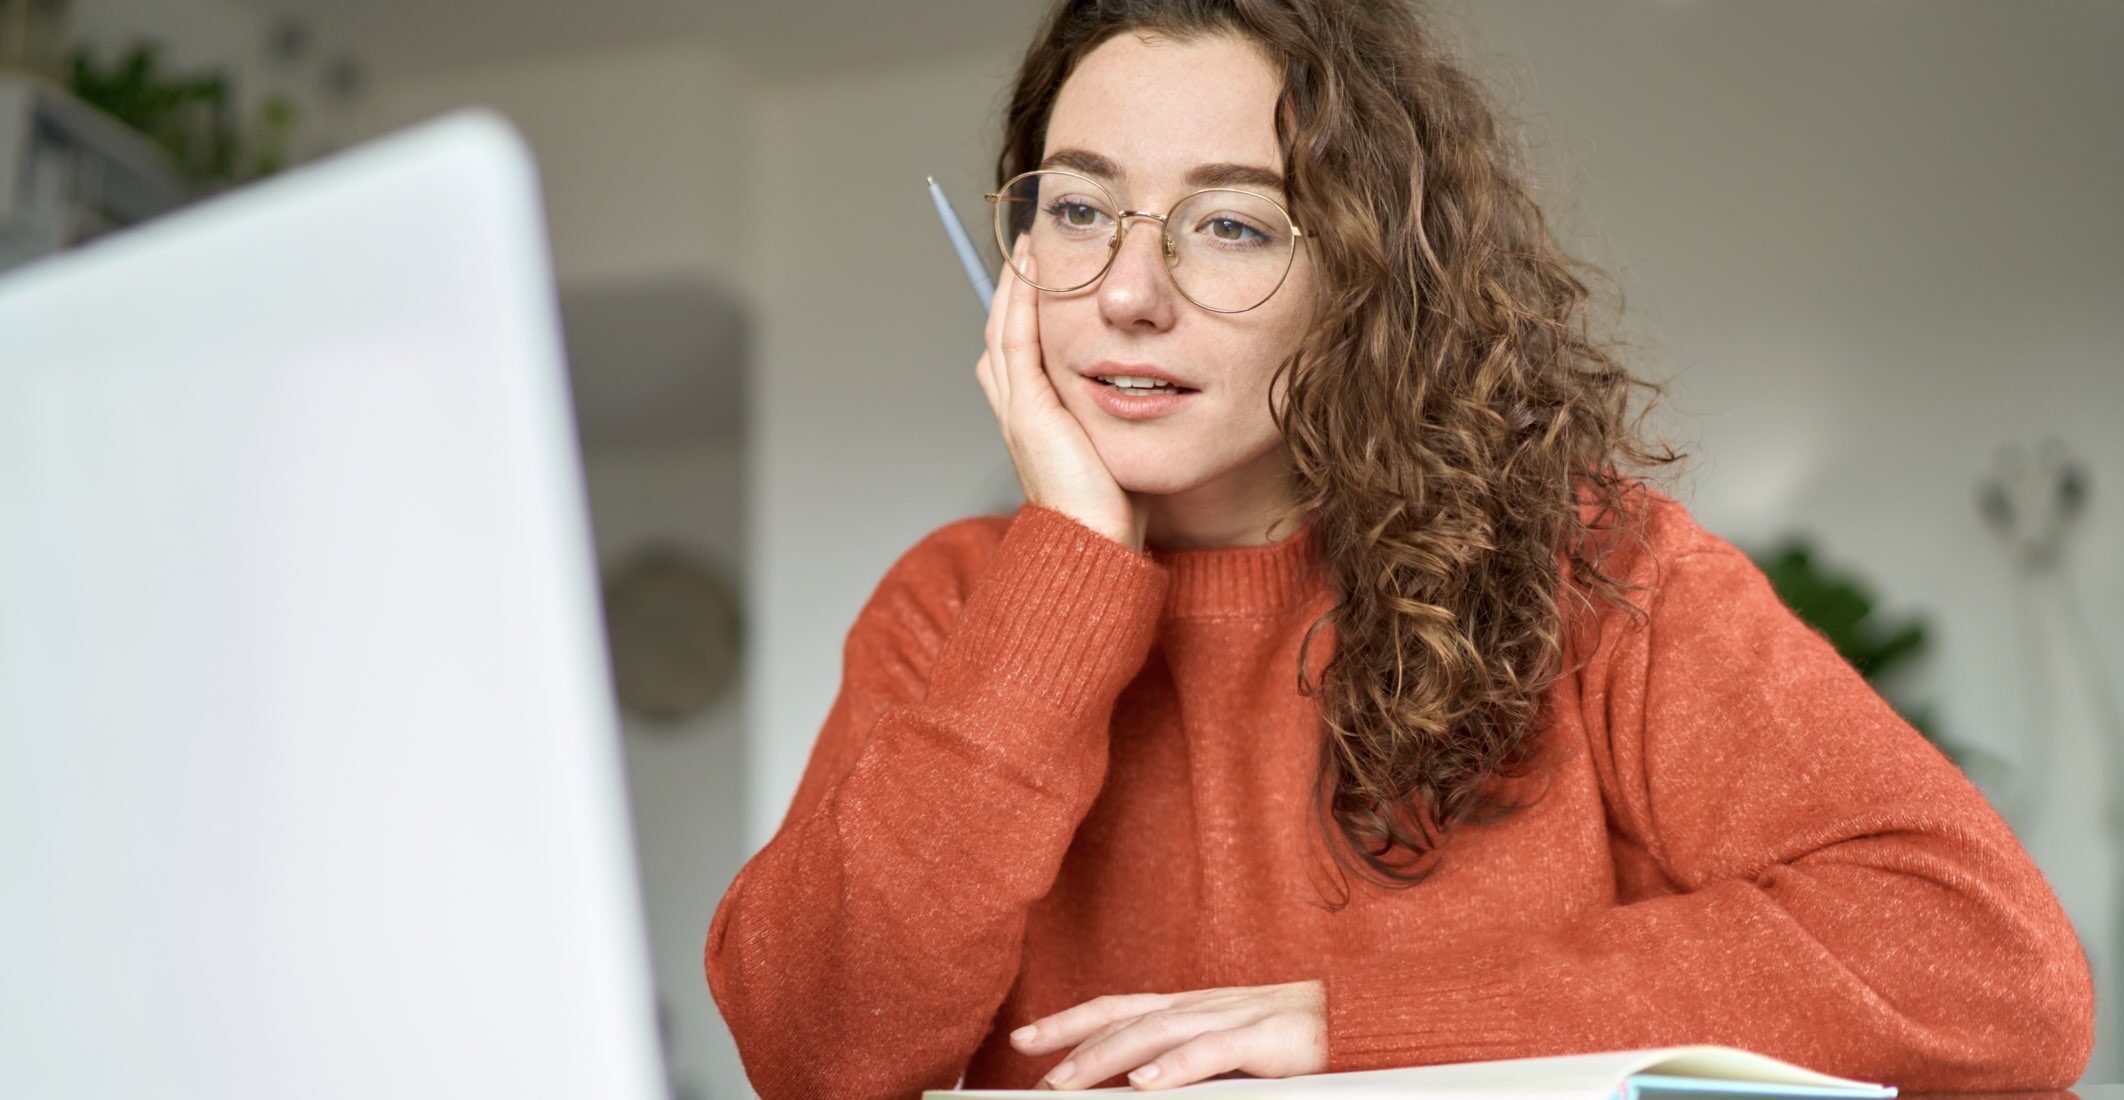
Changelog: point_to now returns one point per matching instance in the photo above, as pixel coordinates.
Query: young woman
(1353, 598)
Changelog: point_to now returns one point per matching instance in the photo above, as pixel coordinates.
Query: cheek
(1060, 324)
(1054, 332)
(1293, 313)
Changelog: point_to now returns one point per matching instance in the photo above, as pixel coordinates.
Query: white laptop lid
(309, 775)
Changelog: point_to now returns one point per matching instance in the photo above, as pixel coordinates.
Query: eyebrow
(1200, 176)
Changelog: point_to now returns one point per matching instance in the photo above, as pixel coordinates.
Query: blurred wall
(686, 781)
(869, 429)
(638, 152)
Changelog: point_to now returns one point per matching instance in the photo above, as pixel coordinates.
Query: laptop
(310, 779)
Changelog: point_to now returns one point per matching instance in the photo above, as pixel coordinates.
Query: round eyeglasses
(1225, 250)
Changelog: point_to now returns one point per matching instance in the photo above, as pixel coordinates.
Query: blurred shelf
(70, 173)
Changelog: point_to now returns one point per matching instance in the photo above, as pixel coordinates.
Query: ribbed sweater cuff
(1402, 1014)
(1063, 615)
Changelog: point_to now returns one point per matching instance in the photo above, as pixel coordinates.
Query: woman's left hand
(1173, 1039)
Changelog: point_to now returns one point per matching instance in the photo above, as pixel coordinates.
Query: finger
(1100, 1036)
(999, 299)
(988, 385)
(1071, 1025)
(1139, 1041)
(1021, 340)
(1198, 1059)
(998, 310)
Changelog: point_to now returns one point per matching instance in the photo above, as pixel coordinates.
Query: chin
(1150, 476)
(1171, 463)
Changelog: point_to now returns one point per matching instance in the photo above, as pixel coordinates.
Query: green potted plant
(192, 116)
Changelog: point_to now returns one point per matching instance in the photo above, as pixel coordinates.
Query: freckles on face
(1157, 108)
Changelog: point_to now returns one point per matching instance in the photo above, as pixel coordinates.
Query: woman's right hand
(1055, 460)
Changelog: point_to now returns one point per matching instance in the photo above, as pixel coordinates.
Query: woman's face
(1157, 109)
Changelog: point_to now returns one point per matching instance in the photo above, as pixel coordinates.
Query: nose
(1136, 287)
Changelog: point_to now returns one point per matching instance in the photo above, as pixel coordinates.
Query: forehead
(1158, 106)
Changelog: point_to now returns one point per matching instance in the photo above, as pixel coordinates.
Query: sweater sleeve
(1843, 897)
(865, 949)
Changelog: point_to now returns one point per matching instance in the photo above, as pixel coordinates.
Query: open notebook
(1662, 1073)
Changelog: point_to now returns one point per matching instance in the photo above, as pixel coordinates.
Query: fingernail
(1144, 1073)
(1061, 1073)
(1025, 1034)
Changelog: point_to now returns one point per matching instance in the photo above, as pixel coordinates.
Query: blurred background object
(188, 116)
(97, 135)
(2039, 506)
(34, 36)
(1873, 245)
(72, 173)
(672, 622)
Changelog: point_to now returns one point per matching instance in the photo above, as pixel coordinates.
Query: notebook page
(1652, 1086)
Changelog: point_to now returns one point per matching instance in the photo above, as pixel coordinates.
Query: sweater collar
(1227, 581)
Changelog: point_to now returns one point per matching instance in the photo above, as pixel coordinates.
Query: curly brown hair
(1456, 434)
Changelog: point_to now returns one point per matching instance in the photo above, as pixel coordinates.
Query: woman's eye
(1232, 230)
(1075, 215)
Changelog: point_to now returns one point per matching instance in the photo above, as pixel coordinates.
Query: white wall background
(686, 781)
(1871, 242)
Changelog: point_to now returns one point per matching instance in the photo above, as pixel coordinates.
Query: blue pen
(984, 287)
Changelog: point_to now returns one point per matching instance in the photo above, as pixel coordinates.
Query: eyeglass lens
(1227, 250)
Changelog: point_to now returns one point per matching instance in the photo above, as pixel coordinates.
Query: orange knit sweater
(1057, 768)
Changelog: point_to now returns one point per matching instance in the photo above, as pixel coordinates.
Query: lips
(1124, 405)
(1111, 369)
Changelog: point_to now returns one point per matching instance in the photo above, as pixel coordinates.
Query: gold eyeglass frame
(1113, 246)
